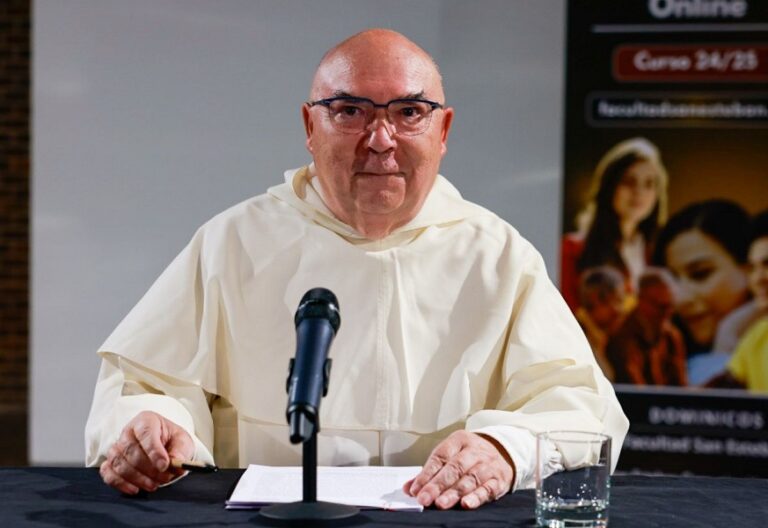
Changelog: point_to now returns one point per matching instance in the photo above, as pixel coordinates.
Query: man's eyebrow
(415, 95)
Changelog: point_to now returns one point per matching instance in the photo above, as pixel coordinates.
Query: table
(69, 497)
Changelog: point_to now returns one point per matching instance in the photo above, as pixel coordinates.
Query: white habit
(450, 322)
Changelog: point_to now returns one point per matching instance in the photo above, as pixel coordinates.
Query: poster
(665, 206)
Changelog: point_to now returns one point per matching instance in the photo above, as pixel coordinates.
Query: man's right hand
(141, 457)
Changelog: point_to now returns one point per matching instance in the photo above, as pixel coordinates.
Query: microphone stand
(309, 508)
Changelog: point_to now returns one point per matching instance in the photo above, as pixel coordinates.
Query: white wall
(150, 116)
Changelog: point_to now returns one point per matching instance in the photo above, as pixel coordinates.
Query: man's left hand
(464, 467)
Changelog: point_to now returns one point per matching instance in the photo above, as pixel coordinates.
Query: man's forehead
(394, 66)
(376, 82)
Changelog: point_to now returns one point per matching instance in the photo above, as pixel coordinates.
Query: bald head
(376, 179)
(374, 51)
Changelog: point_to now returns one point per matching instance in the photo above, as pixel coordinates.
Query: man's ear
(446, 128)
(309, 125)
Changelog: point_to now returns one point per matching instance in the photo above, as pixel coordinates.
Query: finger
(488, 491)
(172, 472)
(473, 479)
(447, 499)
(148, 433)
(112, 479)
(449, 475)
(433, 464)
(122, 468)
(407, 486)
(468, 483)
(129, 447)
(445, 451)
(180, 445)
(477, 498)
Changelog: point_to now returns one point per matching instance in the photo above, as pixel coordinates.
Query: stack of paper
(365, 487)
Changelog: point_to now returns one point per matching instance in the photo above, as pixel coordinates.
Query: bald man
(455, 349)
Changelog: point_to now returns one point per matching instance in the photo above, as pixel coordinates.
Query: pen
(192, 465)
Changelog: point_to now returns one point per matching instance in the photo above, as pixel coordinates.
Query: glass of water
(577, 496)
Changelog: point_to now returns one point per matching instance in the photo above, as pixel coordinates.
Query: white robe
(450, 322)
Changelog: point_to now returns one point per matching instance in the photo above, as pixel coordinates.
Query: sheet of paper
(363, 486)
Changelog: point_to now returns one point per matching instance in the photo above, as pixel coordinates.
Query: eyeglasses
(352, 115)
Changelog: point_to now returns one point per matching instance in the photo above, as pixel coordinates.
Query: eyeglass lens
(408, 117)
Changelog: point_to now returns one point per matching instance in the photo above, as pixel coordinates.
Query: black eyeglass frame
(351, 98)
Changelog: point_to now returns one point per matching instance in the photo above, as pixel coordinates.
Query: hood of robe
(444, 205)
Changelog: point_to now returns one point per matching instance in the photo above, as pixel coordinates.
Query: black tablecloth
(75, 497)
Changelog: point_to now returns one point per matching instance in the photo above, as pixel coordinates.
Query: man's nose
(380, 138)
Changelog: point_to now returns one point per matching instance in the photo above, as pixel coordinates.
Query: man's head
(376, 179)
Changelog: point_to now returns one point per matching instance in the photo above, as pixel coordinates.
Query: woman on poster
(705, 246)
(748, 367)
(618, 226)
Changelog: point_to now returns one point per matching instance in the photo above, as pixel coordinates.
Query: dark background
(14, 228)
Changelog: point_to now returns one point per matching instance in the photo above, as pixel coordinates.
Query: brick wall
(14, 228)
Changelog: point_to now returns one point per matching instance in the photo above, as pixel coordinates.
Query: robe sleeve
(161, 358)
(123, 391)
(551, 379)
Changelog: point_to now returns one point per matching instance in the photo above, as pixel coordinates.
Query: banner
(664, 256)
(706, 433)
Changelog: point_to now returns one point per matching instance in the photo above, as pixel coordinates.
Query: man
(647, 349)
(455, 347)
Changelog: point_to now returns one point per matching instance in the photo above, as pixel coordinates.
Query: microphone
(317, 320)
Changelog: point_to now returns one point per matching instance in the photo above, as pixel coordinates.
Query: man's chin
(383, 204)
(380, 194)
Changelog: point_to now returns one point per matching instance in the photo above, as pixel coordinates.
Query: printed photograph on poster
(664, 255)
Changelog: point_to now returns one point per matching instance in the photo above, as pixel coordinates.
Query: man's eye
(351, 111)
(411, 112)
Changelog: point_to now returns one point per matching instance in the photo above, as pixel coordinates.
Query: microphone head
(319, 303)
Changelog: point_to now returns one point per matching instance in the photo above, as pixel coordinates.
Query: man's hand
(141, 457)
(464, 467)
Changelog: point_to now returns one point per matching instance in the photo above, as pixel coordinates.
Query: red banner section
(691, 63)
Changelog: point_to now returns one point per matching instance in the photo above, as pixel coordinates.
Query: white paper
(363, 486)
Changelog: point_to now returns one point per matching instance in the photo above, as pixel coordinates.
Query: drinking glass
(578, 496)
